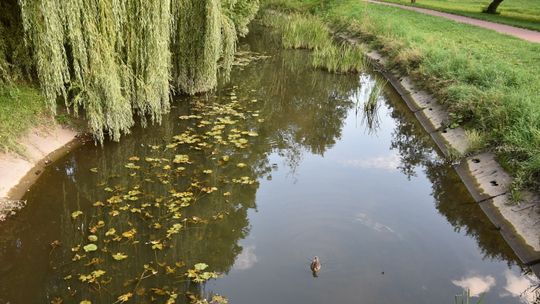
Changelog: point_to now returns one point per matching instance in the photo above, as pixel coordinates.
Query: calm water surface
(388, 218)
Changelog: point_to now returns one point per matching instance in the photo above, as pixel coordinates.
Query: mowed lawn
(520, 13)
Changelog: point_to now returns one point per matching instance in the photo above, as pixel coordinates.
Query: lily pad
(125, 297)
(200, 266)
(119, 256)
(76, 214)
(90, 247)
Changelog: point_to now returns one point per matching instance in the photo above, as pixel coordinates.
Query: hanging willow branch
(116, 58)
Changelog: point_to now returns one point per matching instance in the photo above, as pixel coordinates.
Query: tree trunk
(492, 8)
(413, 1)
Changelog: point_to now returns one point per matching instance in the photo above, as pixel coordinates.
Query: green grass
(520, 13)
(21, 108)
(300, 31)
(491, 82)
(340, 58)
(295, 6)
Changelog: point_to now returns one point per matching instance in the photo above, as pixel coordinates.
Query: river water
(298, 172)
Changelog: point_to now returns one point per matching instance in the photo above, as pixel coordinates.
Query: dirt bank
(18, 172)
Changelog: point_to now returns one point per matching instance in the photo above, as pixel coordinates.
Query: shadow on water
(297, 112)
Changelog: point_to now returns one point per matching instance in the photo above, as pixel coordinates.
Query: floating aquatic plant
(134, 219)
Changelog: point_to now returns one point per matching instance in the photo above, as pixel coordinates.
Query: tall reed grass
(340, 58)
(300, 31)
(371, 106)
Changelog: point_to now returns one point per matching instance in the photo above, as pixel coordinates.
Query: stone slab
(376, 58)
(512, 225)
(422, 99)
(483, 176)
(524, 216)
(454, 139)
(407, 83)
(433, 117)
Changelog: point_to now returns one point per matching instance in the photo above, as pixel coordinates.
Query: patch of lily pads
(145, 211)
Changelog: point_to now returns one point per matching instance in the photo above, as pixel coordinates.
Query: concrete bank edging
(17, 173)
(488, 183)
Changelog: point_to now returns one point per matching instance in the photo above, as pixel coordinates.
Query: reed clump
(370, 108)
(305, 32)
(340, 58)
(299, 31)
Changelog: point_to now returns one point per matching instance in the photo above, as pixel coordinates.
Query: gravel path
(524, 34)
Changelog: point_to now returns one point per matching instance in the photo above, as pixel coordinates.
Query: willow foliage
(15, 61)
(4, 67)
(116, 58)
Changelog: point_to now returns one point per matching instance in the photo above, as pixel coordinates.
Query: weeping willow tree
(3, 60)
(15, 61)
(117, 58)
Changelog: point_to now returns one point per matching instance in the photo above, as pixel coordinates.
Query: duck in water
(315, 266)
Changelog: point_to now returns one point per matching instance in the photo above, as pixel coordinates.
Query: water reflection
(211, 229)
(525, 288)
(388, 162)
(476, 284)
(522, 288)
(416, 152)
(246, 259)
(299, 113)
(370, 223)
(367, 102)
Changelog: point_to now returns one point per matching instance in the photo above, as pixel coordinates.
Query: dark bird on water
(315, 266)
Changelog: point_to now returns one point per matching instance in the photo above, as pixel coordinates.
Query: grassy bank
(22, 105)
(490, 82)
(21, 108)
(520, 13)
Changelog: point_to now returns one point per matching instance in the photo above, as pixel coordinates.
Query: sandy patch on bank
(38, 143)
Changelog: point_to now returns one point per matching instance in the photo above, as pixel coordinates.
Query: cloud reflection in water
(519, 287)
(246, 259)
(477, 285)
(389, 162)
